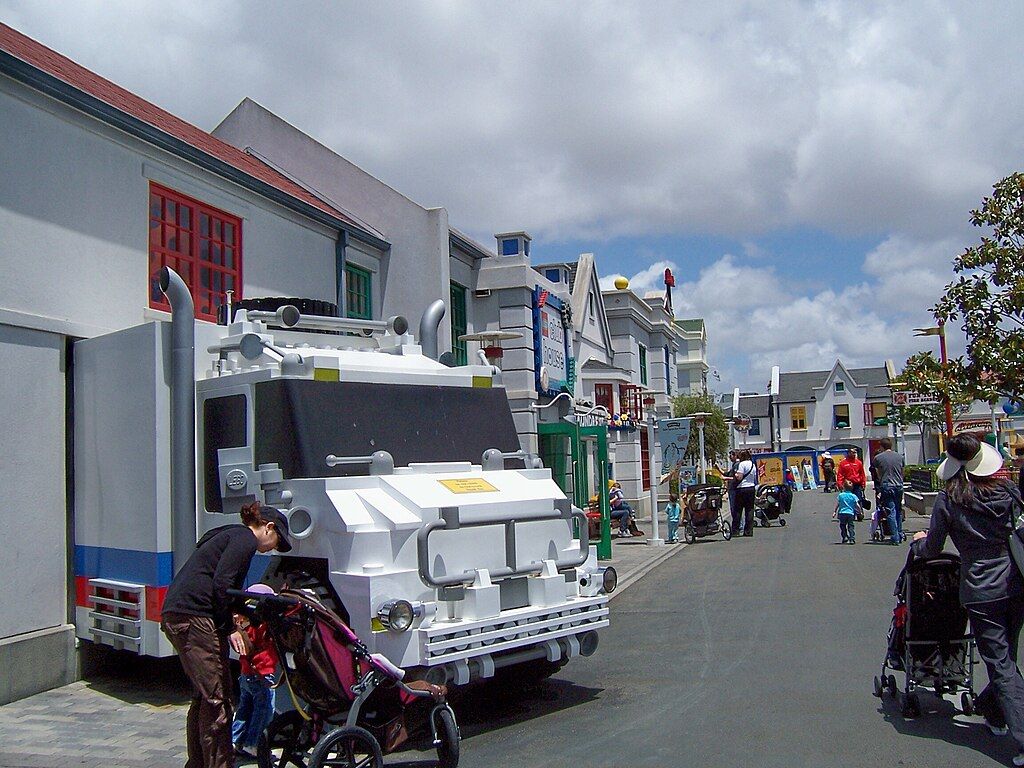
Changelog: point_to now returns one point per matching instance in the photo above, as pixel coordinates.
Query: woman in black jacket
(197, 618)
(978, 511)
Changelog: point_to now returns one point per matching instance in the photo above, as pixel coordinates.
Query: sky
(806, 169)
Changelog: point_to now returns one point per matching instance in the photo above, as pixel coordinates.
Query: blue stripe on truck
(130, 565)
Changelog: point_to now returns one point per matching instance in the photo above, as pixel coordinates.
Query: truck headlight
(396, 615)
(609, 579)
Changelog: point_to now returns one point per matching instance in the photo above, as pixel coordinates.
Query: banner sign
(674, 436)
(907, 398)
(551, 355)
(972, 425)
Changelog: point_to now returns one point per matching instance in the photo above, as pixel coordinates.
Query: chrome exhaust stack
(183, 416)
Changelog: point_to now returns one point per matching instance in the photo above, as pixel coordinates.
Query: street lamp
(699, 420)
(940, 331)
(655, 540)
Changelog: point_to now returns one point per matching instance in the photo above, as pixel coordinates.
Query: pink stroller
(351, 706)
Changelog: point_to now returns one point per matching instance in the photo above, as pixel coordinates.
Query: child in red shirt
(256, 683)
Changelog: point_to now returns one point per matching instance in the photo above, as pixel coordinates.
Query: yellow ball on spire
(621, 283)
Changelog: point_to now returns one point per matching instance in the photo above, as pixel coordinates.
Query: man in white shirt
(746, 486)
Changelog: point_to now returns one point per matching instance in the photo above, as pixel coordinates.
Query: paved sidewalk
(134, 717)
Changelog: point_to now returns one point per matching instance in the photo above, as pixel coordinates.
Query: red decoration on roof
(670, 279)
(542, 299)
(77, 76)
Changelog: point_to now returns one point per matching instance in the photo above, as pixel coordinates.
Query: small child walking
(847, 506)
(256, 683)
(673, 513)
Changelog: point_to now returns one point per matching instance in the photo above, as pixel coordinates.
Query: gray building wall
(416, 270)
(75, 262)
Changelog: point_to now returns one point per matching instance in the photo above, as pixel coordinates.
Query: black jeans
(745, 507)
(996, 627)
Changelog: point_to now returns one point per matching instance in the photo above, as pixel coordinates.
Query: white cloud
(756, 319)
(596, 119)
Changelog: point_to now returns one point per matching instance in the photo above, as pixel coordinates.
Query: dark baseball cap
(280, 521)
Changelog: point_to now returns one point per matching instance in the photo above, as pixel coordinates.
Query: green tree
(716, 432)
(923, 373)
(988, 296)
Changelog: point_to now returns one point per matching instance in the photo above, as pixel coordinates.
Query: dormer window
(554, 275)
(840, 386)
(509, 247)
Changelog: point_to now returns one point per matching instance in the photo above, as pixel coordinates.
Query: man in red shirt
(851, 469)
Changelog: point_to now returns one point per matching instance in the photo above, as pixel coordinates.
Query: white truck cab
(413, 512)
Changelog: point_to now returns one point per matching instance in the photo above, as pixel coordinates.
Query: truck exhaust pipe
(428, 328)
(183, 416)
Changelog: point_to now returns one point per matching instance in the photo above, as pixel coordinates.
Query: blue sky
(806, 167)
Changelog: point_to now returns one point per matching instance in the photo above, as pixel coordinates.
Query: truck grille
(446, 641)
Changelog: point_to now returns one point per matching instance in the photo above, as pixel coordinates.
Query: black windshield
(300, 421)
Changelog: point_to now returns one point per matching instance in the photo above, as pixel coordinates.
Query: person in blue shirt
(673, 513)
(847, 505)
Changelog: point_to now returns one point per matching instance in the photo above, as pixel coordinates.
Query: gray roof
(798, 387)
(755, 407)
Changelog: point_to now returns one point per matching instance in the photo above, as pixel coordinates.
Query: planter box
(920, 502)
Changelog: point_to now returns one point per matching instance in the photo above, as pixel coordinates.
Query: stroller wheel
(782, 522)
(911, 706)
(689, 535)
(726, 530)
(876, 687)
(448, 737)
(890, 683)
(967, 703)
(285, 741)
(347, 747)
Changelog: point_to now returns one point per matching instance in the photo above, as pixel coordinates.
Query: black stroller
(928, 637)
(771, 502)
(351, 706)
(704, 515)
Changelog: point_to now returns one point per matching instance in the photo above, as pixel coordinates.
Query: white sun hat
(985, 463)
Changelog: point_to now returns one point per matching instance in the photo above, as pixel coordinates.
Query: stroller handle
(260, 598)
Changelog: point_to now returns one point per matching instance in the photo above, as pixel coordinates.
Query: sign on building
(552, 358)
(907, 398)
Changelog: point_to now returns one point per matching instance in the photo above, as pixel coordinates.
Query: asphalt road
(754, 652)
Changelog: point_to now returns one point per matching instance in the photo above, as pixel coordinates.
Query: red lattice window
(200, 243)
(631, 401)
(603, 396)
(645, 460)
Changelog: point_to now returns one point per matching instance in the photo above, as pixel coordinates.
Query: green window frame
(459, 323)
(358, 292)
(643, 365)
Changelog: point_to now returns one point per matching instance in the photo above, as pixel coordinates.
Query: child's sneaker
(997, 730)
(1019, 759)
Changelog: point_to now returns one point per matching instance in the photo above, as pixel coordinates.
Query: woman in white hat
(977, 511)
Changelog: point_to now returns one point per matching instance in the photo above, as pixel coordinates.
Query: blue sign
(674, 436)
(553, 364)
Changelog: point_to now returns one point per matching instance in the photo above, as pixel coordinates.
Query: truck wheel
(347, 747)
(448, 738)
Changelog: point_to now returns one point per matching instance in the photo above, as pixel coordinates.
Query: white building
(833, 410)
(692, 360)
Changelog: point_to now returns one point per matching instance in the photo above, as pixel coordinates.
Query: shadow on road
(492, 705)
(136, 679)
(941, 720)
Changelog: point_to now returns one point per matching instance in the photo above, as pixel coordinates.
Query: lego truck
(413, 512)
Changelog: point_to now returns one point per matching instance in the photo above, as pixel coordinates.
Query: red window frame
(631, 401)
(603, 396)
(201, 243)
(645, 460)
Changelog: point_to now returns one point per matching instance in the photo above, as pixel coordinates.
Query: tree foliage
(988, 296)
(716, 431)
(923, 373)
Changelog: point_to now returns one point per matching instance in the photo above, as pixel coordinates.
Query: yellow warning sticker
(468, 485)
